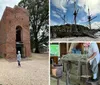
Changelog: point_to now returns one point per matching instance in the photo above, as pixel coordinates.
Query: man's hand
(88, 59)
(91, 57)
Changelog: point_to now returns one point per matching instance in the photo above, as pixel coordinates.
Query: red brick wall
(10, 20)
(3, 35)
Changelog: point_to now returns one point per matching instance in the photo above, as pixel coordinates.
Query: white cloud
(94, 6)
(95, 25)
(52, 23)
(55, 14)
(4, 3)
(83, 20)
(71, 1)
(61, 4)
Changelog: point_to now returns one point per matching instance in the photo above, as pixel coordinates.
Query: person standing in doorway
(19, 58)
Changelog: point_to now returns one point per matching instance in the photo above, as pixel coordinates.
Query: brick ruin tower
(14, 33)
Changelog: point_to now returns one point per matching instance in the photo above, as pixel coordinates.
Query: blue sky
(66, 7)
(4, 3)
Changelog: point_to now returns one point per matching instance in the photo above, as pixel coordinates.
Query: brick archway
(18, 34)
(19, 42)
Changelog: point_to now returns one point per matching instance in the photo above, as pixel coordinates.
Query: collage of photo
(50, 42)
(74, 42)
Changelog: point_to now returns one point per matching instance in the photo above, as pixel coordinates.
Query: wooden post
(87, 68)
(75, 15)
(79, 65)
(89, 18)
(67, 73)
(57, 81)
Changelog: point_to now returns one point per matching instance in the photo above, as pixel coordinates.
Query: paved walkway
(33, 71)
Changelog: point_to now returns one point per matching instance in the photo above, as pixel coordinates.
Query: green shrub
(1, 57)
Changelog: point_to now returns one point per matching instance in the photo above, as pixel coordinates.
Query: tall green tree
(39, 19)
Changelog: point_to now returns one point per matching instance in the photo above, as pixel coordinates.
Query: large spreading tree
(39, 19)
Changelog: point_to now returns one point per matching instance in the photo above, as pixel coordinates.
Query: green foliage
(39, 19)
(1, 57)
(68, 29)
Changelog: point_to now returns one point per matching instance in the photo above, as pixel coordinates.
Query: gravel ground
(34, 71)
(53, 81)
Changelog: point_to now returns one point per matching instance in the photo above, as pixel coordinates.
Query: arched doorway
(19, 43)
(18, 34)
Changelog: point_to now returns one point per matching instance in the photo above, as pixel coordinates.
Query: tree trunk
(37, 50)
(36, 45)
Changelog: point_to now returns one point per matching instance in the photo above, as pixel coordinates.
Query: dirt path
(32, 72)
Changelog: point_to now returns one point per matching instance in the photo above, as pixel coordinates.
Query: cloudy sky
(66, 7)
(4, 3)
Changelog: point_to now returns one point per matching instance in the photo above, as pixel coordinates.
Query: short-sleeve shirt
(94, 48)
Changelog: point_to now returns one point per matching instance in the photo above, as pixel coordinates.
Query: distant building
(14, 32)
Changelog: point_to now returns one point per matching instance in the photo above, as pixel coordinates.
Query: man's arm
(92, 56)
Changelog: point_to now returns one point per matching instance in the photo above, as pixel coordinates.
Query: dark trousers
(19, 63)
